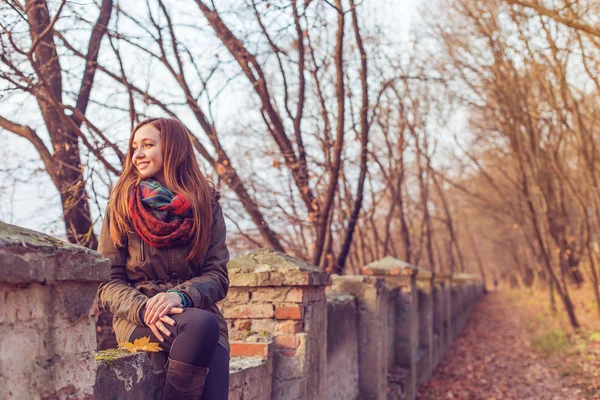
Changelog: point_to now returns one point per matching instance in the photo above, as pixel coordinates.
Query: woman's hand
(159, 329)
(161, 305)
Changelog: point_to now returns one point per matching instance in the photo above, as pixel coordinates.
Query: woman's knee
(202, 322)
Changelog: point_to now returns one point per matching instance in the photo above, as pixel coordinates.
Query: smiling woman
(147, 153)
(164, 234)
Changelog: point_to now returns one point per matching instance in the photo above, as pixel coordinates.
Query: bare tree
(32, 66)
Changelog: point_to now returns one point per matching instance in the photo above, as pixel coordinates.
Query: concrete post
(460, 301)
(441, 316)
(401, 275)
(342, 347)
(425, 349)
(275, 296)
(373, 324)
(48, 317)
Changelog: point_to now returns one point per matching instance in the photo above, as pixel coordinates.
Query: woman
(164, 234)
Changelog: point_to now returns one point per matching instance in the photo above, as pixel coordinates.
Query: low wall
(295, 331)
(47, 319)
(342, 347)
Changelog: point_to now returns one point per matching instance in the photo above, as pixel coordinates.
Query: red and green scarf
(161, 218)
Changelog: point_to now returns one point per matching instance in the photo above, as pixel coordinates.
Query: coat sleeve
(212, 282)
(117, 295)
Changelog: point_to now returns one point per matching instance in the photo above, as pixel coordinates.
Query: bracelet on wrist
(184, 300)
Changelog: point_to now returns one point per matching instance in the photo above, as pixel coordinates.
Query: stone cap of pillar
(442, 276)
(424, 274)
(389, 266)
(27, 256)
(462, 277)
(266, 267)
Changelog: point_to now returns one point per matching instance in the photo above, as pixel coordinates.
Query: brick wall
(373, 336)
(274, 297)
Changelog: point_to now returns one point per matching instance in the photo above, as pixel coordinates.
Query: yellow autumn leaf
(141, 344)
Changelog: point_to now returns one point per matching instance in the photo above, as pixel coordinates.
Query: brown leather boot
(183, 381)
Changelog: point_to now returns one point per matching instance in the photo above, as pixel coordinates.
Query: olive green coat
(139, 271)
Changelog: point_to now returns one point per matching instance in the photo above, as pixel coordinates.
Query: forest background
(465, 144)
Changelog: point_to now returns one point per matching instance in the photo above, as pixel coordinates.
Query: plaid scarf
(161, 218)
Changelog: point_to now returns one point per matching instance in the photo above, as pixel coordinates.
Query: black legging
(194, 340)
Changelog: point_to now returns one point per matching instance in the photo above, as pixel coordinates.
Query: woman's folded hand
(157, 310)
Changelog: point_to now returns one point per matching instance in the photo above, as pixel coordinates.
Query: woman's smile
(147, 153)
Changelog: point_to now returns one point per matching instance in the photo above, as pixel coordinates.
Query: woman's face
(147, 153)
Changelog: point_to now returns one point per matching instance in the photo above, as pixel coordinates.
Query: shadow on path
(492, 359)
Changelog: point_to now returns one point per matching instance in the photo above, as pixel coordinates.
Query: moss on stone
(12, 235)
(110, 355)
(264, 334)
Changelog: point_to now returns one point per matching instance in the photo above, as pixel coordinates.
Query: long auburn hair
(182, 175)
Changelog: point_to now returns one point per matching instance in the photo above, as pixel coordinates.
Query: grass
(575, 354)
(552, 342)
(595, 336)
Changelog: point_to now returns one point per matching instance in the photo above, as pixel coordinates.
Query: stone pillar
(441, 316)
(276, 297)
(460, 301)
(342, 347)
(425, 349)
(47, 322)
(373, 325)
(402, 376)
(454, 310)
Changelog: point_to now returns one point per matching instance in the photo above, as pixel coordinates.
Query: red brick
(235, 295)
(287, 342)
(234, 334)
(368, 272)
(294, 295)
(267, 325)
(242, 324)
(247, 310)
(290, 326)
(243, 349)
(287, 352)
(288, 312)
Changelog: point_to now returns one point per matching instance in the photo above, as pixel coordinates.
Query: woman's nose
(138, 154)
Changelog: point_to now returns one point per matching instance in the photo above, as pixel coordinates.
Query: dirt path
(492, 359)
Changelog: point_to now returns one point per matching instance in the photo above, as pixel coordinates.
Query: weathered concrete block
(315, 322)
(47, 323)
(425, 307)
(389, 266)
(342, 348)
(268, 267)
(373, 347)
(250, 378)
(441, 316)
(122, 375)
(27, 256)
(401, 275)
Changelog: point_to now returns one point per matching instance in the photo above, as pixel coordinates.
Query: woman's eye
(148, 144)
